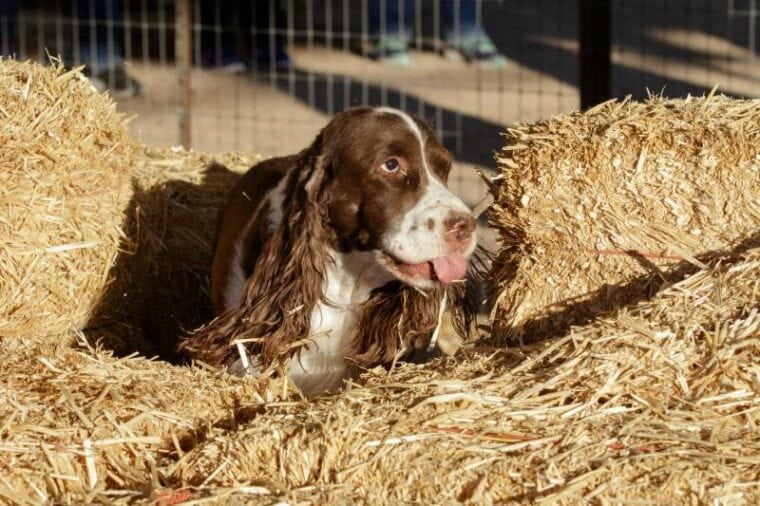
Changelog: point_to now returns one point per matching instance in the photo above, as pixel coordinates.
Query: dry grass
(600, 209)
(65, 161)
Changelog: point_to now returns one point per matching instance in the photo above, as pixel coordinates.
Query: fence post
(183, 61)
(594, 31)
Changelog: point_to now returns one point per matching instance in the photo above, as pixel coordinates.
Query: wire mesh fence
(264, 75)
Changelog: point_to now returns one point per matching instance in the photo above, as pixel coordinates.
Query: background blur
(264, 76)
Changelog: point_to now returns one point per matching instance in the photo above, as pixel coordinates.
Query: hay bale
(158, 288)
(597, 210)
(81, 425)
(65, 159)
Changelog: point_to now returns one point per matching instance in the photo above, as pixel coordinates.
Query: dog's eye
(391, 165)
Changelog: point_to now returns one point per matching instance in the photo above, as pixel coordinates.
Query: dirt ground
(239, 111)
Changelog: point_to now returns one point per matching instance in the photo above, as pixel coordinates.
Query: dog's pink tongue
(450, 268)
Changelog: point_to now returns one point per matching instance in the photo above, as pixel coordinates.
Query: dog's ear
(395, 321)
(399, 320)
(464, 303)
(288, 277)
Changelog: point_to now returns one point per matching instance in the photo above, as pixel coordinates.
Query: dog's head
(385, 191)
(374, 180)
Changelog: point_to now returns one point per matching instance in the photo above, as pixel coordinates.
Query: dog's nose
(458, 229)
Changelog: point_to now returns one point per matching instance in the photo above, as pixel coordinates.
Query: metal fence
(264, 75)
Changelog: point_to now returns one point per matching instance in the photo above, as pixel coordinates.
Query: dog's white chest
(321, 366)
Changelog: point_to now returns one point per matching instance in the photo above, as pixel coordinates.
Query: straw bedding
(659, 401)
(600, 209)
(65, 161)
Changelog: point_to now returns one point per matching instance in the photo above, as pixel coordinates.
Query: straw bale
(600, 209)
(80, 426)
(65, 159)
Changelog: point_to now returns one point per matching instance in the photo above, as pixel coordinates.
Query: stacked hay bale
(599, 209)
(65, 164)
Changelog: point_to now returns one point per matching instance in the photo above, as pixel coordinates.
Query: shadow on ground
(539, 36)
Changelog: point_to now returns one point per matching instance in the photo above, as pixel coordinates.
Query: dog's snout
(458, 229)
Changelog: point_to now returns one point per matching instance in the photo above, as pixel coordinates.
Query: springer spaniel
(339, 256)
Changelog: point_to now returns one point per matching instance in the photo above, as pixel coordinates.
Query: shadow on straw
(159, 285)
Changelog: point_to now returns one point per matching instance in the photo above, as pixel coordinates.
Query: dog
(339, 256)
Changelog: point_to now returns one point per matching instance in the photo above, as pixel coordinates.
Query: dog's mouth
(446, 269)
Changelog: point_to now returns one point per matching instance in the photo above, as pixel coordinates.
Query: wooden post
(183, 61)
(595, 69)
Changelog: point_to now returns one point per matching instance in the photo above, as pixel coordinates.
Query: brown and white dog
(339, 255)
